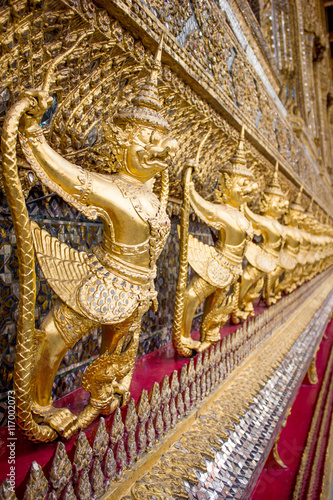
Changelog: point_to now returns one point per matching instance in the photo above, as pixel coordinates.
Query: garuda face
(273, 204)
(237, 189)
(148, 153)
(295, 218)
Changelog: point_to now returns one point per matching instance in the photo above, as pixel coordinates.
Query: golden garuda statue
(271, 295)
(217, 267)
(304, 254)
(289, 257)
(112, 286)
(323, 245)
(326, 247)
(309, 224)
(263, 258)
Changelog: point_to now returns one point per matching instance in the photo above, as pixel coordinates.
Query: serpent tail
(27, 278)
(182, 274)
(164, 194)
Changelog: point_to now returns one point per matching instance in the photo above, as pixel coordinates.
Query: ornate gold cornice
(116, 33)
(139, 18)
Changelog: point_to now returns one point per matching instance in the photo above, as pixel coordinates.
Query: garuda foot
(270, 300)
(249, 310)
(111, 407)
(61, 420)
(238, 316)
(204, 345)
(191, 344)
(290, 289)
(120, 398)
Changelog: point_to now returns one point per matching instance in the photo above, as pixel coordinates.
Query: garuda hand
(188, 170)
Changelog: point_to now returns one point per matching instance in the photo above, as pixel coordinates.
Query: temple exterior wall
(226, 65)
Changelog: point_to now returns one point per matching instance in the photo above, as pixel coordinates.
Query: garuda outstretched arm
(258, 221)
(210, 213)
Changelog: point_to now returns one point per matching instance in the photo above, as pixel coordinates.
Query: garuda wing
(260, 258)
(84, 283)
(63, 267)
(209, 264)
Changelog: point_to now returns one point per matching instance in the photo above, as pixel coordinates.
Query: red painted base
(148, 370)
(275, 482)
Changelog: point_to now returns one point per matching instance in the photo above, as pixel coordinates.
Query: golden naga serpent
(183, 257)
(26, 259)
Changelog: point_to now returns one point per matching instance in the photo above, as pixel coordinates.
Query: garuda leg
(271, 295)
(107, 379)
(218, 307)
(59, 331)
(286, 285)
(197, 290)
(250, 287)
(123, 337)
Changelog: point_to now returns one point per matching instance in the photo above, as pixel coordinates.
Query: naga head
(273, 201)
(236, 181)
(102, 376)
(139, 133)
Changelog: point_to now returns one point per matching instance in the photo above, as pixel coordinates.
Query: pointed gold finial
(297, 203)
(309, 209)
(276, 169)
(239, 155)
(156, 66)
(145, 106)
(299, 195)
(158, 55)
(273, 186)
(238, 160)
(308, 212)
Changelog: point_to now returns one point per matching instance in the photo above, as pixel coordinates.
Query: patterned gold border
(189, 69)
(327, 482)
(326, 416)
(311, 434)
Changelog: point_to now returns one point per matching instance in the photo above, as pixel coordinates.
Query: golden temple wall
(224, 65)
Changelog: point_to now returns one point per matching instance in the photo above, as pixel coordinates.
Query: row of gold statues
(230, 276)
(112, 286)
